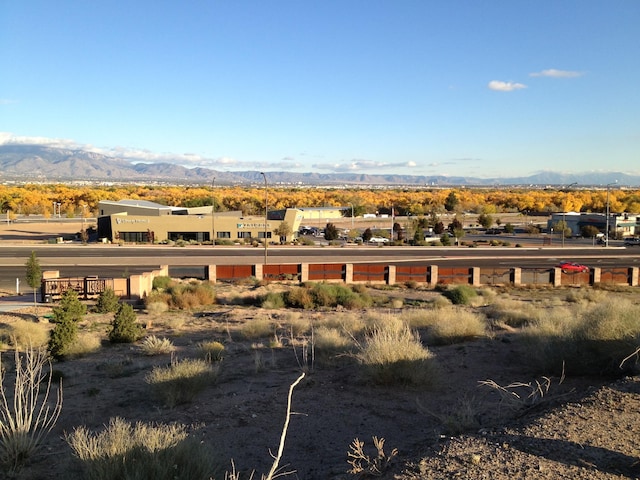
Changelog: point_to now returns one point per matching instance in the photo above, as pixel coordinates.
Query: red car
(572, 267)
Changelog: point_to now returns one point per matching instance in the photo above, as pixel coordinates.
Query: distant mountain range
(47, 164)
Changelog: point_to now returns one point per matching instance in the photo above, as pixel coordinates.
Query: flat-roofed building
(140, 221)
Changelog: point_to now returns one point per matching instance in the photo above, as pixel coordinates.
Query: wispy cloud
(554, 73)
(500, 86)
(358, 165)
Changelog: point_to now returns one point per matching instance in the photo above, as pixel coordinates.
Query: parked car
(378, 240)
(629, 242)
(493, 231)
(571, 267)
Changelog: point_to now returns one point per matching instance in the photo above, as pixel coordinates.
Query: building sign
(251, 225)
(131, 220)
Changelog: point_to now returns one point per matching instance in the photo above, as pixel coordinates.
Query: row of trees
(79, 201)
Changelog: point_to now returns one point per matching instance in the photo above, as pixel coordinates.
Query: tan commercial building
(140, 221)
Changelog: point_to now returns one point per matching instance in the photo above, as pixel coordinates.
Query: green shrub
(299, 297)
(461, 294)
(395, 355)
(126, 451)
(162, 283)
(124, 328)
(273, 300)
(70, 308)
(181, 381)
(108, 302)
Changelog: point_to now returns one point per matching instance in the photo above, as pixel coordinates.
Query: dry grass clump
(441, 302)
(586, 295)
(24, 333)
(586, 341)
(211, 349)
(511, 312)
(85, 343)
(153, 345)
(392, 355)
(447, 325)
(331, 340)
(181, 381)
(256, 328)
(123, 450)
(297, 325)
(350, 322)
(155, 307)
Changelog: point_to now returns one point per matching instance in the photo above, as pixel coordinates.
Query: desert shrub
(84, 344)
(63, 335)
(181, 381)
(392, 355)
(107, 302)
(460, 294)
(188, 296)
(162, 283)
(441, 302)
(153, 345)
(26, 416)
(273, 300)
(257, 328)
(124, 326)
(24, 333)
(586, 341)
(126, 451)
(70, 308)
(299, 297)
(211, 349)
(296, 325)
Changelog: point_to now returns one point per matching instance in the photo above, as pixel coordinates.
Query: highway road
(74, 260)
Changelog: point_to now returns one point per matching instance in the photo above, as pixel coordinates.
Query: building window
(244, 234)
(261, 234)
(223, 234)
(190, 236)
(134, 237)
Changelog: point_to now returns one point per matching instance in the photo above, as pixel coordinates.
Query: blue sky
(475, 88)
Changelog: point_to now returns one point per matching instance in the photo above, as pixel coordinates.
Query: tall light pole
(266, 210)
(213, 214)
(564, 208)
(606, 233)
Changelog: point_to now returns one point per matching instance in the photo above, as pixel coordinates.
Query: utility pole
(213, 214)
(266, 211)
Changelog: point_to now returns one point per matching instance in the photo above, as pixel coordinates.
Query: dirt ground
(580, 428)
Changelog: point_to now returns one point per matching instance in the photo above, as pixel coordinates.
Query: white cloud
(362, 165)
(554, 73)
(500, 86)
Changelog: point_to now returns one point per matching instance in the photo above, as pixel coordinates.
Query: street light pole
(213, 214)
(351, 215)
(266, 210)
(606, 233)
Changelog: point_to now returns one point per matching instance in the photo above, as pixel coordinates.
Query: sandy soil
(581, 428)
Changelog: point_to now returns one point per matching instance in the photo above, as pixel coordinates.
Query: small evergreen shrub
(461, 294)
(63, 335)
(162, 283)
(70, 308)
(124, 328)
(108, 302)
